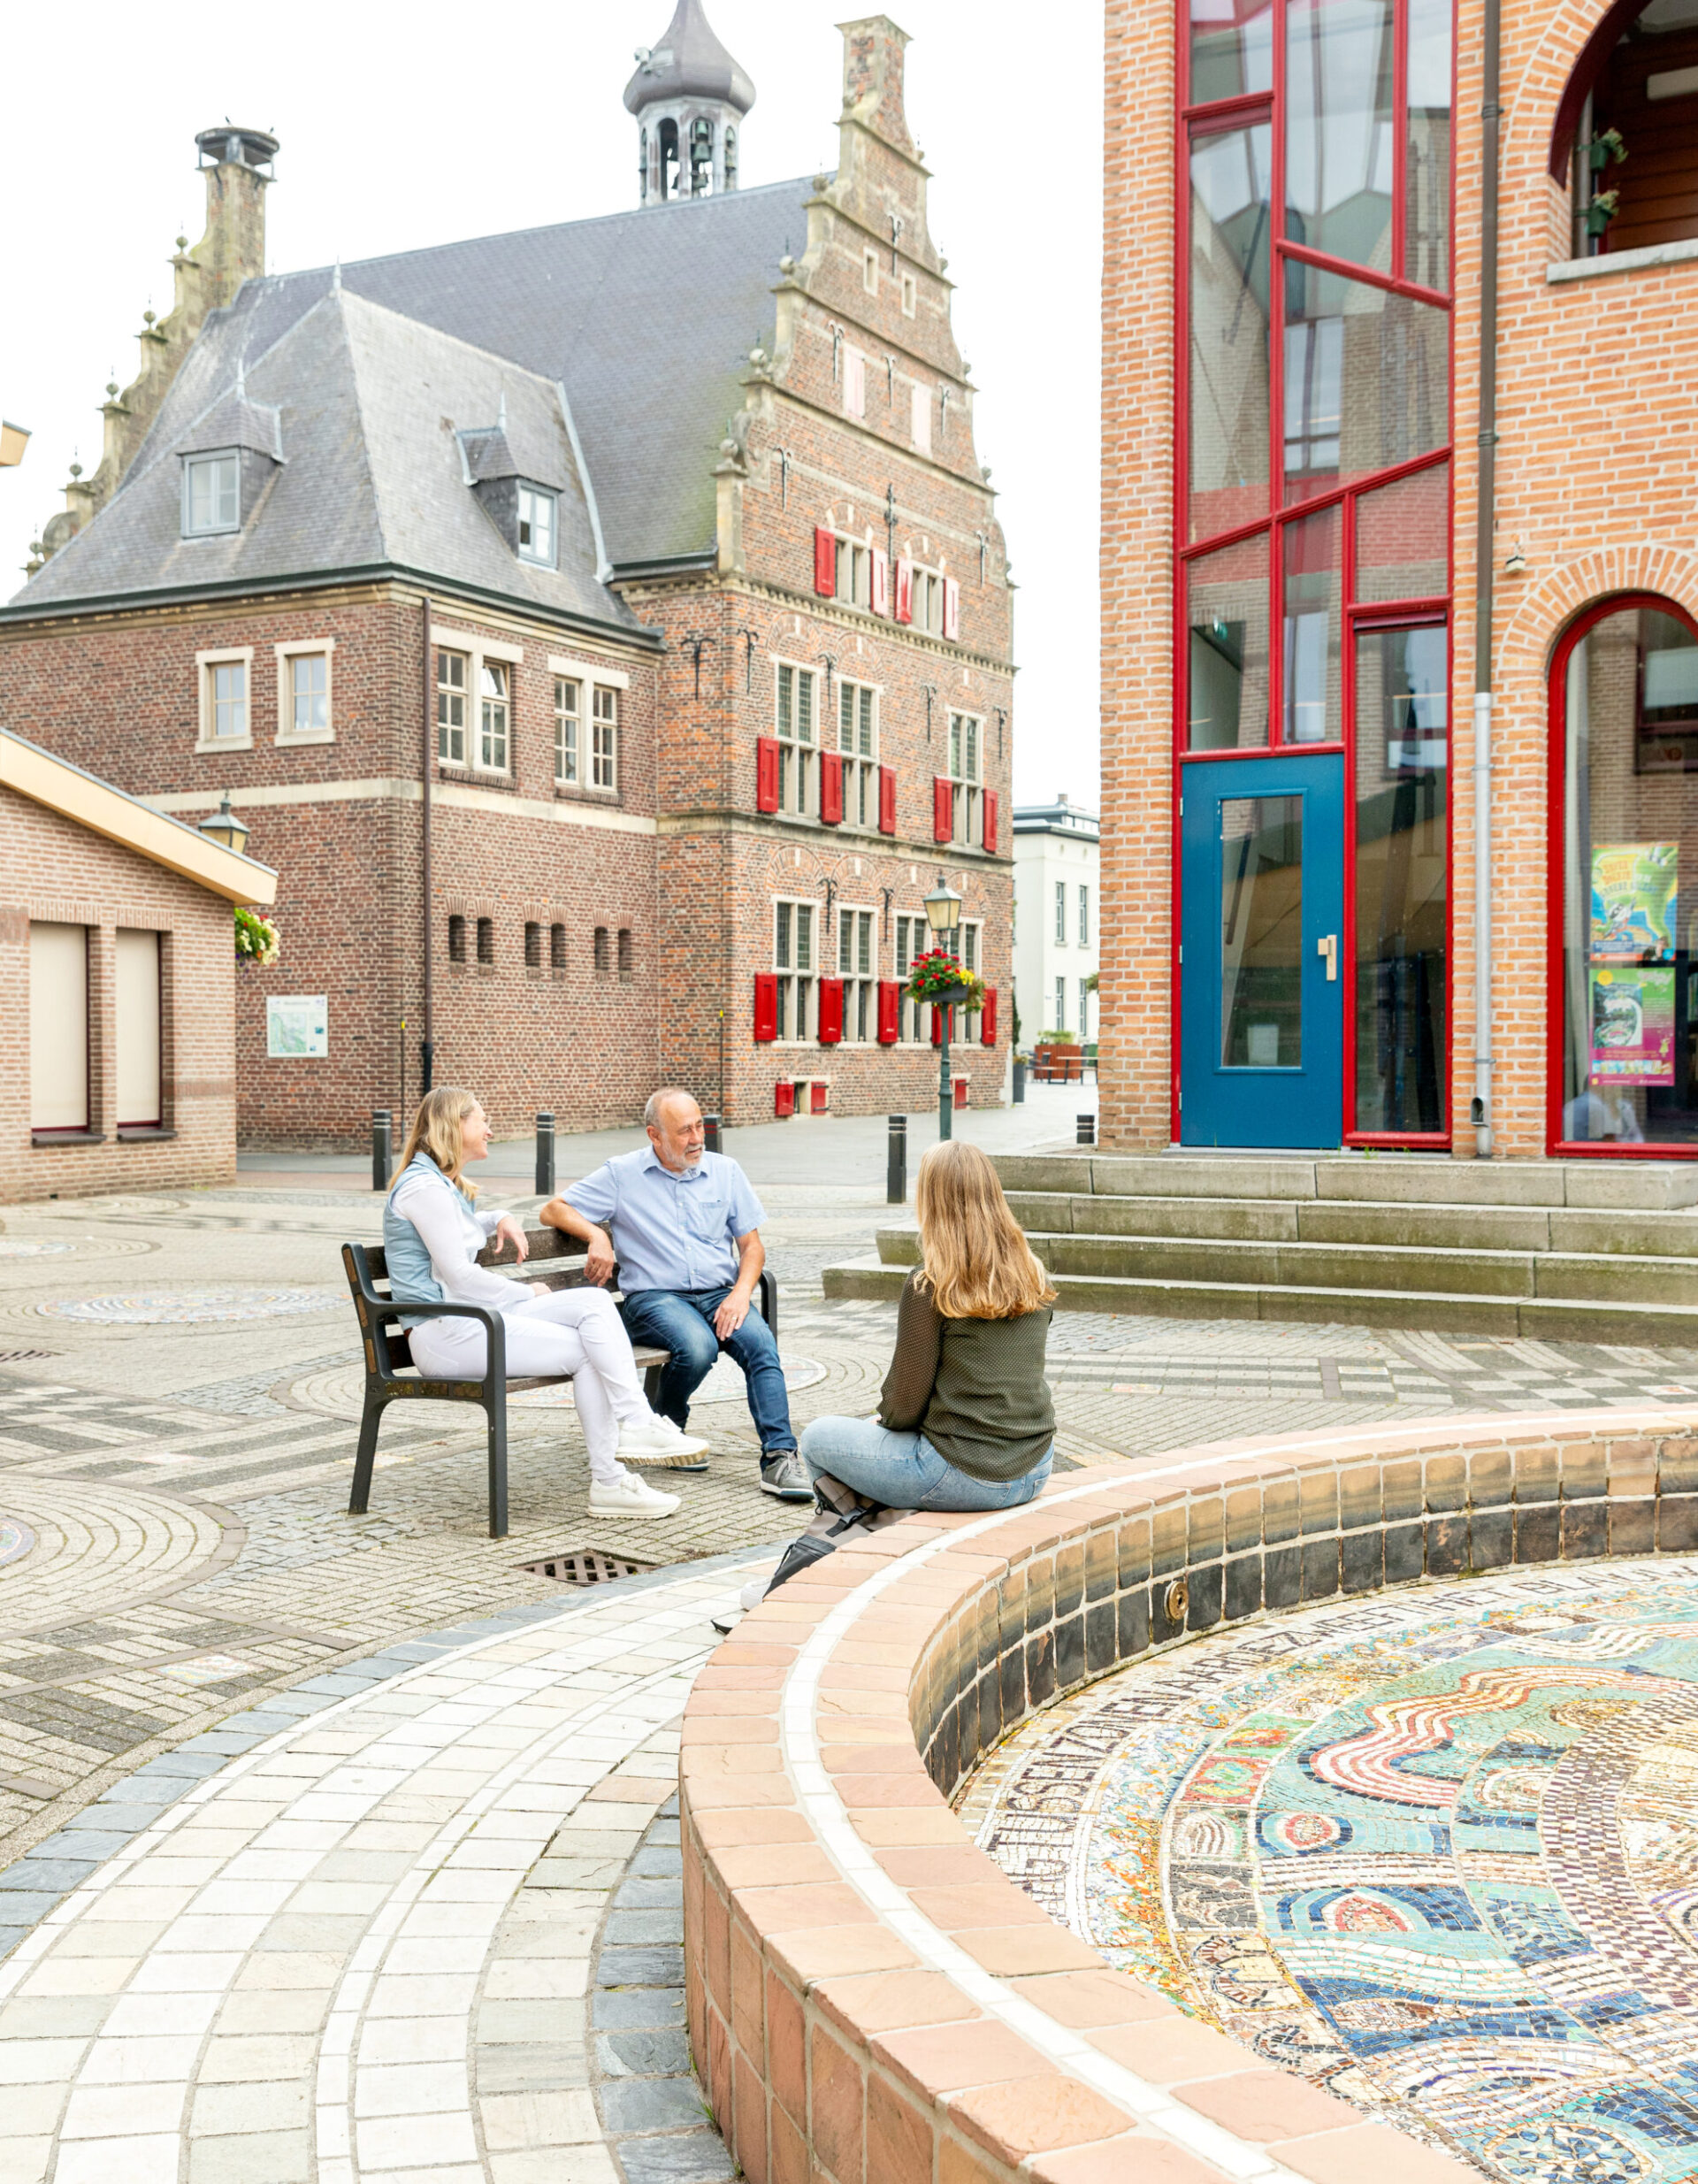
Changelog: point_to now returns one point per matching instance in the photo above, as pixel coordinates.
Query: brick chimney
(872, 78)
(236, 163)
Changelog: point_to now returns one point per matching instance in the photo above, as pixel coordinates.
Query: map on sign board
(296, 1024)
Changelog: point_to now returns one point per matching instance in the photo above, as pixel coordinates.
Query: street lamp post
(943, 916)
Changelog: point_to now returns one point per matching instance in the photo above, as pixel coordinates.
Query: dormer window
(537, 512)
(211, 493)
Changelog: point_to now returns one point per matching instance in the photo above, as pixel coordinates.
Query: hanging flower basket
(940, 977)
(258, 939)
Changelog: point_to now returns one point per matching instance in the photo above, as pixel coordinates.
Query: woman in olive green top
(965, 1421)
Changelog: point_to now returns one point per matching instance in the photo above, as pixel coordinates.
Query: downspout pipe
(1485, 554)
(427, 769)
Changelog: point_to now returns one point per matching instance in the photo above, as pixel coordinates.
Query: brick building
(604, 628)
(117, 987)
(1398, 845)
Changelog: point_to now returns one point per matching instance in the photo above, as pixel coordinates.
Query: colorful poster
(1633, 1026)
(1634, 902)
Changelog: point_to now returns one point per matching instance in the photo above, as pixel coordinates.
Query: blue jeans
(904, 1471)
(682, 1321)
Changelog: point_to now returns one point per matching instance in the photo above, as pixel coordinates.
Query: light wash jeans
(904, 1471)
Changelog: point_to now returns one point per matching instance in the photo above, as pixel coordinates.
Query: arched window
(642, 166)
(1623, 826)
(702, 155)
(668, 178)
(1626, 135)
(730, 157)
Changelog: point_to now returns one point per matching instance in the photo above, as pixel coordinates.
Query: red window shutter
(905, 591)
(988, 1018)
(766, 773)
(783, 1097)
(887, 800)
(825, 562)
(943, 808)
(952, 607)
(881, 582)
(991, 818)
(889, 1012)
(831, 788)
(817, 1097)
(830, 1011)
(938, 1025)
(766, 1004)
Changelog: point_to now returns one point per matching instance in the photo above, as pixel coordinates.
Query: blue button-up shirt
(671, 1231)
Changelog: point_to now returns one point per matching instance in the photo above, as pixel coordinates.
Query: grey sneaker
(785, 1475)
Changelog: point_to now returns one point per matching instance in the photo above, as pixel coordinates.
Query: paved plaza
(339, 1846)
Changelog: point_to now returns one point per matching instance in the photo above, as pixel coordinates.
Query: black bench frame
(391, 1374)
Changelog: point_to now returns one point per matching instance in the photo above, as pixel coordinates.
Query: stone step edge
(1462, 1254)
(1469, 1206)
(872, 1277)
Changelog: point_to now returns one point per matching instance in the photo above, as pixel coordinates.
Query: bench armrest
(769, 1288)
(494, 1378)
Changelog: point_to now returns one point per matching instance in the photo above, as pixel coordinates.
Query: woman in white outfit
(431, 1237)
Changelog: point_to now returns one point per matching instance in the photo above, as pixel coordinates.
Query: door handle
(1328, 945)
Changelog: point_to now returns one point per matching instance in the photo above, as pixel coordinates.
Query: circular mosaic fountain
(189, 1307)
(1437, 1850)
(16, 1540)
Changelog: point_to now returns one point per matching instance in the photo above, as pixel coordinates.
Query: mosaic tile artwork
(31, 1246)
(190, 1307)
(16, 1540)
(1437, 1850)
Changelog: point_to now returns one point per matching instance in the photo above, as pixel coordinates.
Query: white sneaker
(625, 1497)
(656, 1440)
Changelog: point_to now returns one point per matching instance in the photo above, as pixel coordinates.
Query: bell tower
(689, 96)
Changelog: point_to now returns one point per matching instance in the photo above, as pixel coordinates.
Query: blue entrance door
(1261, 1015)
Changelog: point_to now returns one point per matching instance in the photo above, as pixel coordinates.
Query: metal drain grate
(24, 1357)
(585, 1565)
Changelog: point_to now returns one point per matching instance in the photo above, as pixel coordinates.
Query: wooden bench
(390, 1374)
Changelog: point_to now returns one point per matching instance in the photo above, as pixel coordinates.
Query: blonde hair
(978, 1266)
(436, 1132)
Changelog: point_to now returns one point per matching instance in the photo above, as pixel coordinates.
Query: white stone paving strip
(276, 1978)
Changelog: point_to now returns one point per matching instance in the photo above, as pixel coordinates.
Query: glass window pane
(1313, 698)
(1226, 614)
(1229, 312)
(1630, 1007)
(1402, 535)
(1261, 932)
(229, 475)
(1338, 128)
(1366, 379)
(1400, 817)
(1426, 215)
(1232, 49)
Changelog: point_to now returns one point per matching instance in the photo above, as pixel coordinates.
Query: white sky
(403, 127)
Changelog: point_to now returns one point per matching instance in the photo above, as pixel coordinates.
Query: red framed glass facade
(1623, 995)
(1312, 500)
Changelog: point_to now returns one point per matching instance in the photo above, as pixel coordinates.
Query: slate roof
(689, 62)
(646, 319)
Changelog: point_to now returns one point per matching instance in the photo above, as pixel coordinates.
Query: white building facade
(1055, 921)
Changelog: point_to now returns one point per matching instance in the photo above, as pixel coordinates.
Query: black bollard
(1020, 1082)
(1086, 1129)
(710, 1133)
(382, 1147)
(544, 1156)
(896, 1179)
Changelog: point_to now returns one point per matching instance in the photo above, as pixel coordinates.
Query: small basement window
(456, 940)
(211, 495)
(485, 939)
(537, 525)
(533, 946)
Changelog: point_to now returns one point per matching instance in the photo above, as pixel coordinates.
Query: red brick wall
(55, 870)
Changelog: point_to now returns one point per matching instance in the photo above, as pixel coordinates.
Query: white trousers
(570, 1330)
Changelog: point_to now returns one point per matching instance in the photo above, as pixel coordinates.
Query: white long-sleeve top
(454, 1231)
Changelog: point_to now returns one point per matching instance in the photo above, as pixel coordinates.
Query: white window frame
(569, 733)
(798, 754)
(927, 601)
(541, 499)
(196, 462)
(854, 382)
(858, 968)
(920, 417)
(856, 556)
(1084, 914)
(494, 715)
(1061, 914)
(604, 739)
(478, 650)
(859, 751)
(965, 750)
(306, 649)
(970, 946)
(206, 666)
(1060, 1024)
(797, 983)
(1084, 1012)
(450, 690)
(914, 938)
